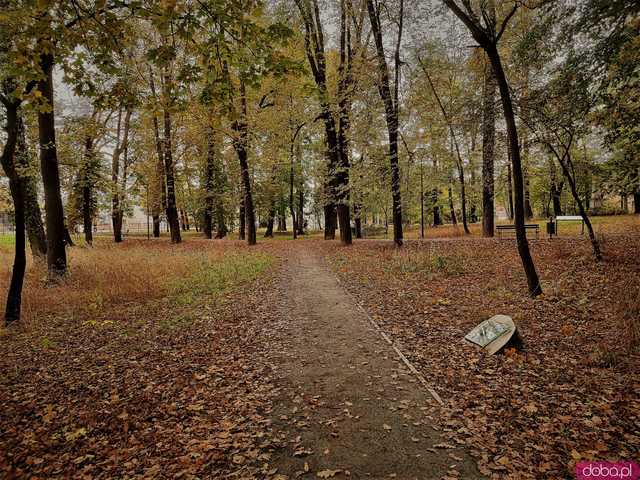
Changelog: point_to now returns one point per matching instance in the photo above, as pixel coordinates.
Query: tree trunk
(292, 209)
(337, 184)
(56, 253)
(116, 199)
(241, 143)
(437, 218)
(488, 151)
(160, 203)
(510, 189)
(521, 235)
(636, 202)
(556, 192)
(14, 295)
(357, 218)
(344, 108)
(391, 112)
(32, 214)
(460, 165)
(330, 218)
(527, 195)
(172, 211)
(270, 218)
(87, 191)
(452, 210)
(242, 217)
(207, 222)
(301, 229)
(156, 226)
(567, 168)
(8, 161)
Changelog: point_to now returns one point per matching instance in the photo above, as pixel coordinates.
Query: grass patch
(7, 241)
(214, 276)
(111, 276)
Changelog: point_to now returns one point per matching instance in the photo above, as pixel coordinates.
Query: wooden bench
(508, 228)
(569, 218)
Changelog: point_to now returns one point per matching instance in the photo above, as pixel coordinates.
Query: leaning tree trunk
(459, 164)
(14, 294)
(566, 170)
(521, 235)
(488, 152)
(56, 253)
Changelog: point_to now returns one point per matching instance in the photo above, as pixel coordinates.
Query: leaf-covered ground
(168, 387)
(574, 391)
(160, 361)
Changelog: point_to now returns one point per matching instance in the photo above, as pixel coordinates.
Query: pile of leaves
(572, 393)
(170, 387)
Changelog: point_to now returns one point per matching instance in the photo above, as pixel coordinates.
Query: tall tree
(391, 106)
(488, 151)
(17, 189)
(337, 185)
(488, 35)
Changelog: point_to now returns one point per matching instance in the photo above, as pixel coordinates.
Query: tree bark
(488, 40)
(452, 210)
(171, 210)
(301, 228)
(116, 198)
(160, 203)
(510, 189)
(488, 151)
(32, 214)
(209, 171)
(521, 235)
(87, 190)
(583, 213)
(391, 112)
(555, 193)
(14, 294)
(56, 253)
(336, 186)
(240, 144)
(270, 219)
(242, 219)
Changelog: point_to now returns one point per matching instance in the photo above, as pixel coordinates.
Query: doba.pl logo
(607, 471)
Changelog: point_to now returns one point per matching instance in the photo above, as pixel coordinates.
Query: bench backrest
(568, 217)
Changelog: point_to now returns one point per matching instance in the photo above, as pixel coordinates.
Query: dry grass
(109, 276)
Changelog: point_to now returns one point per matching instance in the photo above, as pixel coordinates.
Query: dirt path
(349, 405)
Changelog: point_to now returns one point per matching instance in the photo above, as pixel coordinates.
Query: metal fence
(7, 228)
